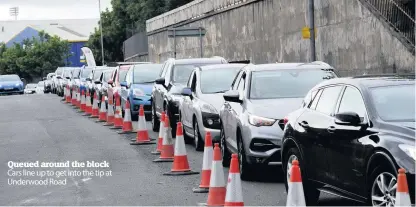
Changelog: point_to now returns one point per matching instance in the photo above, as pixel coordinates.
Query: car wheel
(226, 156)
(246, 169)
(310, 191)
(155, 120)
(199, 145)
(188, 139)
(382, 186)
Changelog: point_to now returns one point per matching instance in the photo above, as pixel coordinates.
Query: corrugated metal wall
(136, 47)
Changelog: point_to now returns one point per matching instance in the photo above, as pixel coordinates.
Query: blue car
(137, 88)
(10, 84)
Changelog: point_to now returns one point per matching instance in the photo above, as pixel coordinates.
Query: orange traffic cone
(295, 194)
(67, 94)
(234, 194)
(74, 97)
(118, 117)
(180, 160)
(160, 138)
(82, 104)
(216, 193)
(103, 111)
(167, 154)
(110, 112)
(95, 111)
(127, 125)
(78, 104)
(142, 133)
(402, 191)
(206, 166)
(88, 108)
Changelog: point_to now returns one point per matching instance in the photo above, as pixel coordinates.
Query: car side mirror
(97, 81)
(58, 77)
(232, 96)
(123, 84)
(348, 119)
(68, 77)
(160, 81)
(186, 91)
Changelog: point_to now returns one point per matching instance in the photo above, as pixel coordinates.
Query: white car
(40, 88)
(30, 88)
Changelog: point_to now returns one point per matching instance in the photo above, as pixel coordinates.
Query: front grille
(10, 90)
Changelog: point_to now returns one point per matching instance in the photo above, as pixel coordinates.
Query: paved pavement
(41, 128)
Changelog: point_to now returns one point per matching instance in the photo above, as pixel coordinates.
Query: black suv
(166, 93)
(351, 136)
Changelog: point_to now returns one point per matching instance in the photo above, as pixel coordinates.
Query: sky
(52, 9)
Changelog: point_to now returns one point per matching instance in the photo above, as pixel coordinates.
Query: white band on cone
(142, 124)
(167, 138)
(295, 195)
(161, 130)
(110, 110)
(207, 159)
(217, 175)
(180, 149)
(402, 199)
(127, 115)
(234, 193)
(103, 109)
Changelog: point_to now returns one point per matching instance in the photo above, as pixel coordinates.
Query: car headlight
(138, 92)
(208, 109)
(17, 84)
(260, 121)
(409, 150)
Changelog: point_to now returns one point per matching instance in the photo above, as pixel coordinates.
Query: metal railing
(401, 16)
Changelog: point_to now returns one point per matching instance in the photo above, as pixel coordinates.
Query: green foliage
(126, 18)
(35, 57)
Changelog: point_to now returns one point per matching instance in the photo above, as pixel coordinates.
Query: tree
(34, 57)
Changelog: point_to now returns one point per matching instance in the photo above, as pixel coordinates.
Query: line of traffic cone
(95, 113)
(206, 166)
(167, 153)
(295, 194)
(88, 107)
(103, 111)
(160, 138)
(118, 116)
(234, 193)
(142, 137)
(110, 112)
(402, 190)
(217, 189)
(127, 124)
(180, 160)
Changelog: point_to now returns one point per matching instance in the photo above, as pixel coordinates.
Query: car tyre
(199, 145)
(310, 191)
(226, 156)
(155, 120)
(172, 121)
(390, 178)
(246, 169)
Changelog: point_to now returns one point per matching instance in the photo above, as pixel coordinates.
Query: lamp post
(101, 30)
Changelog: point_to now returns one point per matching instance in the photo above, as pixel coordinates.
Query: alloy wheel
(289, 166)
(383, 191)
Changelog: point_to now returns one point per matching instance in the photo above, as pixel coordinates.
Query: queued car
(56, 79)
(256, 105)
(74, 82)
(101, 85)
(202, 101)
(351, 136)
(64, 80)
(11, 84)
(84, 78)
(30, 88)
(40, 88)
(48, 82)
(166, 93)
(118, 76)
(137, 88)
(95, 77)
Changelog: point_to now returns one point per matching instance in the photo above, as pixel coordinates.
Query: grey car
(202, 101)
(253, 114)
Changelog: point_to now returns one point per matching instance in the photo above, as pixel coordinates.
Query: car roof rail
(386, 75)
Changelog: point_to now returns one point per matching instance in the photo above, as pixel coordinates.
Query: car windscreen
(217, 80)
(41, 84)
(76, 73)
(31, 86)
(181, 73)
(67, 73)
(9, 78)
(97, 74)
(85, 73)
(107, 76)
(394, 103)
(122, 75)
(146, 73)
(59, 71)
(289, 83)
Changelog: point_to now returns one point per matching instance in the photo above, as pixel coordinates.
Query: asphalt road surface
(41, 128)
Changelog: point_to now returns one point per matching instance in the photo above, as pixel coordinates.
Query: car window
(236, 80)
(122, 75)
(217, 80)
(181, 73)
(241, 85)
(165, 69)
(328, 99)
(394, 103)
(9, 78)
(315, 100)
(145, 73)
(190, 80)
(309, 97)
(352, 101)
(128, 76)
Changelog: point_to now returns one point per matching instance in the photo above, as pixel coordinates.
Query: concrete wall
(349, 36)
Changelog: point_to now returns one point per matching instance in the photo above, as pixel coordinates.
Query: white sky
(52, 9)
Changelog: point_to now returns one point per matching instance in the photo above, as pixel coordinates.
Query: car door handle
(331, 129)
(304, 124)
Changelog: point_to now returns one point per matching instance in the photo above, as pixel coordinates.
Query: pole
(200, 41)
(312, 29)
(174, 43)
(101, 30)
